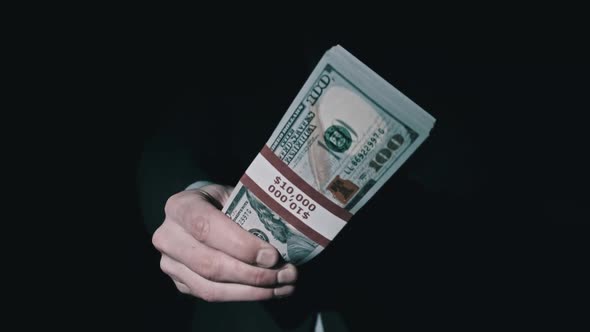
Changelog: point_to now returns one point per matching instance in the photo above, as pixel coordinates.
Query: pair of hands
(209, 256)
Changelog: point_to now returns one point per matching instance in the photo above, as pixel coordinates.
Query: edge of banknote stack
(287, 196)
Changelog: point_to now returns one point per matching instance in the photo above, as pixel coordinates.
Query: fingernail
(284, 291)
(266, 258)
(287, 275)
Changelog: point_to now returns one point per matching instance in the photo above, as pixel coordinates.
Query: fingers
(214, 265)
(211, 227)
(216, 292)
(211, 257)
(182, 287)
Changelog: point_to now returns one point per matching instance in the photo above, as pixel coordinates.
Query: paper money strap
(293, 199)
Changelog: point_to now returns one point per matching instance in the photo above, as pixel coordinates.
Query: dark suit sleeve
(178, 154)
(167, 167)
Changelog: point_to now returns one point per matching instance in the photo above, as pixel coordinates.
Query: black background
(515, 104)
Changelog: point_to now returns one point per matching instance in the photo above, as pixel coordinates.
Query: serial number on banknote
(368, 147)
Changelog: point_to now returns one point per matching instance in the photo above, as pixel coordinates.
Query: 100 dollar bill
(342, 138)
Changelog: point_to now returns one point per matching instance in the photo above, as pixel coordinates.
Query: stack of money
(345, 134)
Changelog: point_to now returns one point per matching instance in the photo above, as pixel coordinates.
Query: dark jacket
(439, 245)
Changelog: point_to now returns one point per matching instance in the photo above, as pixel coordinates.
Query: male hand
(211, 257)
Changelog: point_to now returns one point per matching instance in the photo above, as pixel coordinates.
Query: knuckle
(210, 268)
(199, 226)
(165, 266)
(182, 288)
(207, 293)
(158, 239)
(172, 203)
(260, 278)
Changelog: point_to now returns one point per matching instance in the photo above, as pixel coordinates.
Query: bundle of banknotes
(345, 134)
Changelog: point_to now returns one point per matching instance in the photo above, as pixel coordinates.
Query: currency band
(293, 199)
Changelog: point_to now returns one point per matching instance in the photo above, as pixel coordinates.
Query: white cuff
(198, 184)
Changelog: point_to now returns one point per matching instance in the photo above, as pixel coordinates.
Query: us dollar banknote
(345, 134)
